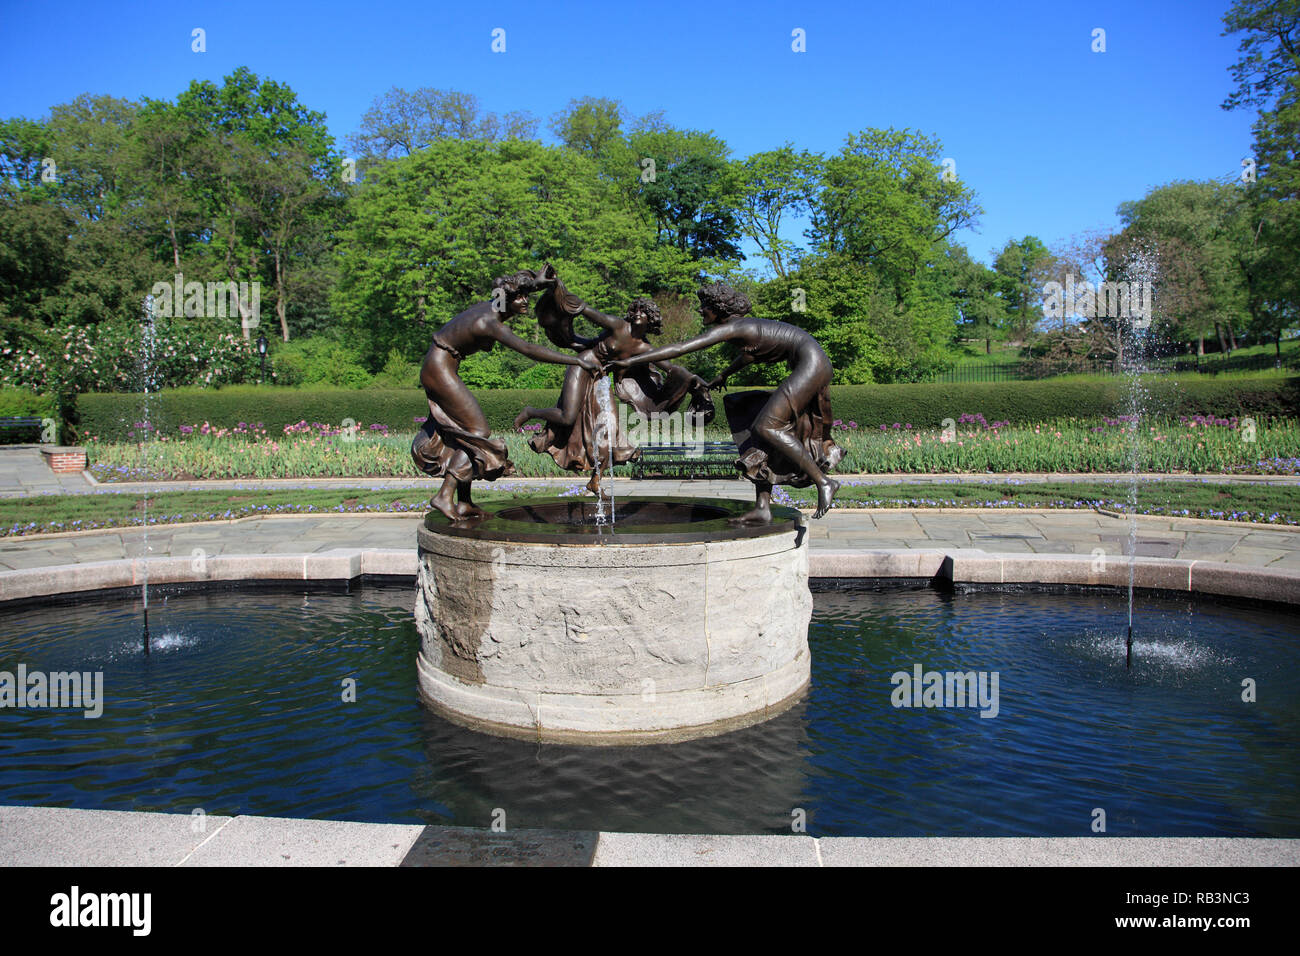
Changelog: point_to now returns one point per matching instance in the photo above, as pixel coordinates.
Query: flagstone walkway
(1081, 532)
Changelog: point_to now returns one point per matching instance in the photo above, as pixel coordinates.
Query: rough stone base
(533, 716)
(613, 644)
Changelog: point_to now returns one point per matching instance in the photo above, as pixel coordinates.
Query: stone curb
(973, 566)
(122, 529)
(52, 836)
(1216, 522)
(945, 566)
(333, 515)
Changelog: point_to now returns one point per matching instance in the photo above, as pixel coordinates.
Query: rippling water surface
(238, 708)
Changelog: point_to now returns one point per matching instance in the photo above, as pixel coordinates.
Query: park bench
(702, 459)
(21, 424)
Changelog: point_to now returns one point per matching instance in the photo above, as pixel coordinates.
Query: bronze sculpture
(575, 436)
(784, 435)
(456, 441)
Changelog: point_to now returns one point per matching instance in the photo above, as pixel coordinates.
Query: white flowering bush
(110, 357)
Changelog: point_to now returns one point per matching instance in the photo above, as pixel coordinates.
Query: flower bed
(970, 444)
(1199, 445)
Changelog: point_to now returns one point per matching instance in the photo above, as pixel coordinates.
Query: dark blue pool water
(239, 709)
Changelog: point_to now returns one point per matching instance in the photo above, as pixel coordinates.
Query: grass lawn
(1264, 503)
(972, 353)
(1270, 504)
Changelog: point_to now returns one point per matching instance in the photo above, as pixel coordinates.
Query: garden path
(1042, 532)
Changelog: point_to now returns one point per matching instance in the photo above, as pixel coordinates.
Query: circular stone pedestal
(536, 622)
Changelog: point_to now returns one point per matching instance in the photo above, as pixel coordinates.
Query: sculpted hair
(724, 300)
(645, 305)
(521, 281)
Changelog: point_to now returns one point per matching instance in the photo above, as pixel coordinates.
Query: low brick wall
(62, 458)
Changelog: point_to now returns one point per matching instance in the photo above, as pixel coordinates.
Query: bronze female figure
(784, 435)
(455, 441)
(575, 436)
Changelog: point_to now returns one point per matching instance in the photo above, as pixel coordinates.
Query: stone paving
(992, 531)
(50, 836)
(22, 472)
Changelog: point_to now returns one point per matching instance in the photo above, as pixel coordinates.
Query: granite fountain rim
(502, 526)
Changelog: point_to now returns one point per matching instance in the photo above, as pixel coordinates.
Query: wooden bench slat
(16, 423)
(692, 460)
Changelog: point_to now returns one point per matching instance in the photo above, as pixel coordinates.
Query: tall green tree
(399, 122)
(693, 202)
(885, 202)
(429, 232)
(973, 288)
(89, 140)
(64, 202)
(1269, 49)
(34, 229)
(775, 184)
(271, 194)
(591, 125)
(1193, 229)
(1021, 266)
(1270, 246)
(688, 187)
(292, 210)
(172, 160)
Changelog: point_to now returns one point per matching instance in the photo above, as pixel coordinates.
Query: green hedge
(22, 403)
(928, 404)
(111, 416)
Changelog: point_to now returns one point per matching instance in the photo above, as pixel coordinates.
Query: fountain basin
(1168, 748)
(537, 622)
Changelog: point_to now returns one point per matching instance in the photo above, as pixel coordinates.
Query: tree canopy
(365, 254)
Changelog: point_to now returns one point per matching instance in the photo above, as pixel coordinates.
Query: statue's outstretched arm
(669, 369)
(611, 322)
(712, 337)
(537, 352)
(740, 361)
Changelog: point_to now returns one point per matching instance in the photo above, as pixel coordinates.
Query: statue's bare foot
(521, 419)
(595, 488)
(446, 506)
(761, 514)
(825, 495)
(467, 509)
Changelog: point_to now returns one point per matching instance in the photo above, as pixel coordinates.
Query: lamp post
(261, 347)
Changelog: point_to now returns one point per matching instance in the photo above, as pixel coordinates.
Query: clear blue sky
(1051, 136)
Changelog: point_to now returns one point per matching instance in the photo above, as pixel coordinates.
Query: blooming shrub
(110, 357)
